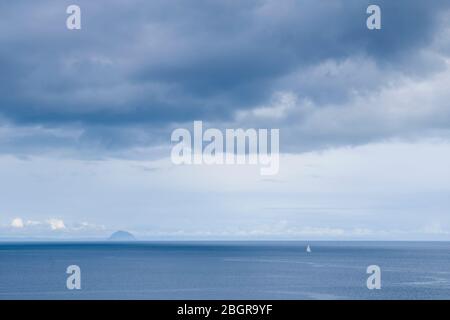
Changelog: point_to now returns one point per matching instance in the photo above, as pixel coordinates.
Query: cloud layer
(135, 71)
(86, 118)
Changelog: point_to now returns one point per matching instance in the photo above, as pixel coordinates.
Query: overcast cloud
(150, 65)
(111, 93)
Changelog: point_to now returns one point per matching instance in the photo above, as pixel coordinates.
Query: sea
(225, 270)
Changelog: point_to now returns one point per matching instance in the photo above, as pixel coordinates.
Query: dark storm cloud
(146, 65)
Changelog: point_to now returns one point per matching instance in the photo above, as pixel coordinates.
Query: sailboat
(308, 249)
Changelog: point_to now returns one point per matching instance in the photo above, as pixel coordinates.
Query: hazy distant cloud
(435, 228)
(17, 223)
(56, 224)
(19, 226)
(33, 223)
(86, 226)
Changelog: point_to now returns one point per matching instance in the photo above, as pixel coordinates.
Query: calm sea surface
(225, 270)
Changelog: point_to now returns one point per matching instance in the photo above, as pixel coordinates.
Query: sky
(86, 118)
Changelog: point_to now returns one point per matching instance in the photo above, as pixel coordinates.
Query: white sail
(308, 249)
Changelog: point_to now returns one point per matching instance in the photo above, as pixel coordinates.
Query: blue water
(214, 270)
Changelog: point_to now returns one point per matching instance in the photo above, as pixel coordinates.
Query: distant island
(121, 236)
